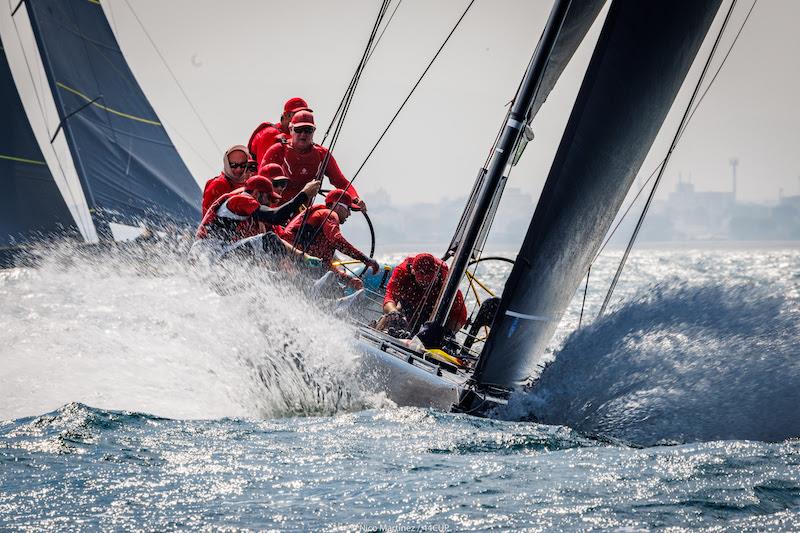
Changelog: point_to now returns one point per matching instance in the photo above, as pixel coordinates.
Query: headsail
(31, 205)
(640, 61)
(129, 168)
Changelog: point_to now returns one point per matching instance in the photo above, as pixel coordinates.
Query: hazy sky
(238, 65)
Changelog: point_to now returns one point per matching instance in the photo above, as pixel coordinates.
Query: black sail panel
(128, 166)
(579, 19)
(640, 61)
(31, 206)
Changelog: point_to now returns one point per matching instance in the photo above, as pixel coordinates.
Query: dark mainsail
(31, 206)
(129, 168)
(640, 61)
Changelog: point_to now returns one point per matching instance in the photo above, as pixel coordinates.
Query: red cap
(272, 171)
(425, 268)
(338, 196)
(303, 118)
(295, 104)
(260, 184)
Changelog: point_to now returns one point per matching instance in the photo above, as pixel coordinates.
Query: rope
(414, 88)
(675, 139)
(341, 113)
(175, 79)
(699, 101)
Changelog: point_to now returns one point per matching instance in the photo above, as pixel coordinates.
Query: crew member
(233, 219)
(267, 133)
(301, 159)
(233, 176)
(411, 295)
(318, 234)
(274, 173)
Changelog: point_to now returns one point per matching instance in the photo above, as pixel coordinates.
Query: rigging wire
(174, 78)
(369, 55)
(585, 290)
(339, 122)
(688, 120)
(414, 88)
(385, 27)
(405, 101)
(671, 149)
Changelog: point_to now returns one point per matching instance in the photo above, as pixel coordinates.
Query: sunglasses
(304, 129)
(237, 165)
(252, 167)
(279, 184)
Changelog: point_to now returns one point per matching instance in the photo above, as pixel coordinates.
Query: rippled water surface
(140, 394)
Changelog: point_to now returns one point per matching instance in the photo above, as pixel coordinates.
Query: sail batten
(642, 56)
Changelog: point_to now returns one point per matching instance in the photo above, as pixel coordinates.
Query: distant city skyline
(238, 74)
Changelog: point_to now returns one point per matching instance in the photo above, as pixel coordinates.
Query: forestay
(639, 63)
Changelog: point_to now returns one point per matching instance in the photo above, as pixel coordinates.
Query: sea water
(140, 393)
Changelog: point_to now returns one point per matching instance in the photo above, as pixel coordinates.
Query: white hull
(408, 379)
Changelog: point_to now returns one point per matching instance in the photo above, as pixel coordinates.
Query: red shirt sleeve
(243, 204)
(335, 175)
(333, 234)
(396, 282)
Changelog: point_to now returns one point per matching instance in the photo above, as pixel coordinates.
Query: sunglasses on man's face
(252, 167)
(304, 129)
(237, 165)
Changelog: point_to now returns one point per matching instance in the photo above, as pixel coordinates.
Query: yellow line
(118, 113)
(22, 160)
(481, 285)
(95, 2)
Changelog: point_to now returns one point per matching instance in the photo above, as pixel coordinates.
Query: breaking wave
(137, 328)
(679, 363)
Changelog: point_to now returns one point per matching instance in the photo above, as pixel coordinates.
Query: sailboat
(641, 59)
(86, 153)
(112, 162)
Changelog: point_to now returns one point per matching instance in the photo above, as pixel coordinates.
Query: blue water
(142, 395)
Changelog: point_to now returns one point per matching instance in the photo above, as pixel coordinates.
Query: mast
(515, 124)
(642, 57)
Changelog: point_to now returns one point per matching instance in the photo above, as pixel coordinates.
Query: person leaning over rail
(301, 159)
(268, 133)
(231, 223)
(233, 175)
(318, 233)
(411, 295)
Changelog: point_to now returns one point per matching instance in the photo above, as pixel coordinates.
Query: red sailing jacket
(264, 136)
(216, 187)
(230, 217)
(403, 289)
(301, 168)
(327, 240)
